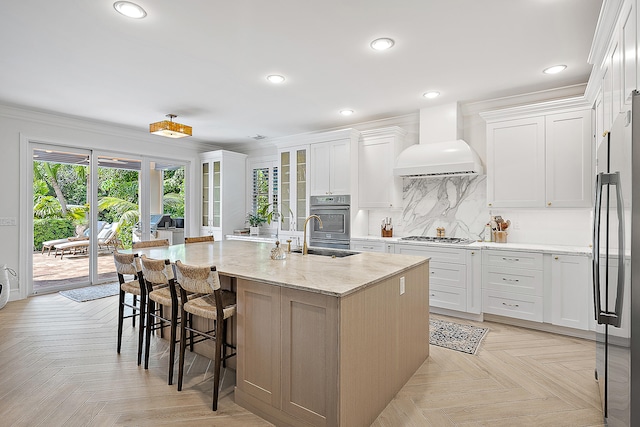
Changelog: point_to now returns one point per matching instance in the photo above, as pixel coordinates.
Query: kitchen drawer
(448, 297)
(513, 259)
(368, 246)
(453, 255)
(447, 274)
(516, 280)
(526, 307)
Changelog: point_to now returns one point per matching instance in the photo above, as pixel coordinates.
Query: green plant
(51, 229)
(255, 219)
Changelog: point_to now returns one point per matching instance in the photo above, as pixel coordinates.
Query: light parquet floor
(58, 366)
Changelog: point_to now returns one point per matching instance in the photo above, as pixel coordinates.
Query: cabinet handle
(432, 295)
(511, 259)
(510, 305)
(433, 272)
(510, 280)
(367, 247)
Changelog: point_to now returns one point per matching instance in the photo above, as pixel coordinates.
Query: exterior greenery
(60, 191)
(51, 229)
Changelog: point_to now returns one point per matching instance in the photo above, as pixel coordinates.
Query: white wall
(18, 125)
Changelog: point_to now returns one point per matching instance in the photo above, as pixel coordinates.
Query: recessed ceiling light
(431, 94)
(130, 10)
(346, 112)
(382, 43)
(275, 78)
(555, 69)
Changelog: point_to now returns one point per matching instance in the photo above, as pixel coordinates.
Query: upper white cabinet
(293, 188)
(330, 167)
(377, 151)
(223, 192)
(568, 155)
(613, 53)
(515, 163)
(539, 160)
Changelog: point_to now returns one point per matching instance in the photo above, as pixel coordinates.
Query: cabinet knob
(490, 204)
(556, 257)
(473, 253)
(549, 204)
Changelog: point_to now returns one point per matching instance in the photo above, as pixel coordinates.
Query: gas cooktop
(431, 239)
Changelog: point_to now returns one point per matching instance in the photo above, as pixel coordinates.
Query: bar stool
(150, 243)
(161, 290)
(214, 305)
(129, 264)
(198, 239)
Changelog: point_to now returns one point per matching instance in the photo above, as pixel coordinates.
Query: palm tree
(49, 174)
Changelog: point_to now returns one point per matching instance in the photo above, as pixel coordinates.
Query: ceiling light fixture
(346, 112)
(169, 128)
(130, 10)
(431, 94)
(383, 43)
(555, 69)
(275, 78)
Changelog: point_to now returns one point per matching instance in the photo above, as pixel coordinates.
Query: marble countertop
(524, 247)
(250, 260)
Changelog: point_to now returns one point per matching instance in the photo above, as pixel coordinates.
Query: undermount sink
(334, 253)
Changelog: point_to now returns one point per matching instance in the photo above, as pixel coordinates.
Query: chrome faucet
(305, 250)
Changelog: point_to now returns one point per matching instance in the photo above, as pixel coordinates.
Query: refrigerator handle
(603, 316)
(617, 318)
(596, 248)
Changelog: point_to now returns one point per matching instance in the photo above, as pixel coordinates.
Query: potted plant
(255, 220)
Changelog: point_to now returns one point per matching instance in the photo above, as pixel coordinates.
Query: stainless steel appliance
(616, 265)
(334, 211)
(431, 239)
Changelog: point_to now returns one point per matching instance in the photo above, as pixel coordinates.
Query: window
(264, 194)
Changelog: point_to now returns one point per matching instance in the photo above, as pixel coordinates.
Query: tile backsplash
(459, 204)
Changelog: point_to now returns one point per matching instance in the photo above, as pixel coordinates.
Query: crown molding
(523, 111)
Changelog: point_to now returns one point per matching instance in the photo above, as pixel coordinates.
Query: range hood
(439, 158)
(440, 152)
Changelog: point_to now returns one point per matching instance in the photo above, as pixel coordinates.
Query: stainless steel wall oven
(334, 211)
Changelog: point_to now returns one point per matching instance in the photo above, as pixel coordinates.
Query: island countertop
(314, 273)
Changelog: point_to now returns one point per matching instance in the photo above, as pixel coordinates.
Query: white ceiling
(207, 60)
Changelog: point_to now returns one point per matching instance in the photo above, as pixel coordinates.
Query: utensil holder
(386, 233)
(500, 236)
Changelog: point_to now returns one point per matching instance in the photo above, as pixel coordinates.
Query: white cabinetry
(513, 284)
(364, 245)
(293, 187)
(447, 275)
(377, 151)
(570, 283)
(330, 167)
(539, 160)
(223, 192)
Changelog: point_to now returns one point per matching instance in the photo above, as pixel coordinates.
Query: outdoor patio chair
(50, 244)
(108, 237)
(73, 247)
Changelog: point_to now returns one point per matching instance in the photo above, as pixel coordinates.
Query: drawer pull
(510, 305)
(511, 259)
(510, 280)
(433, 272)
(367, 247)
(432, 295)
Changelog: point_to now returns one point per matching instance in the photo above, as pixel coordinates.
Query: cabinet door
(570, 282)
(293, 189)
(329, 168)
(568, 151)
(206, 185)
(515, 163)
(377, 186)
(474, 281)
(629, 40)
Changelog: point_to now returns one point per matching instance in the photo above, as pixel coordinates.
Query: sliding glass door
(88, 203)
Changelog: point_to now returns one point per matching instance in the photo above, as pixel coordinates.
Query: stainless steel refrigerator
(616, 268)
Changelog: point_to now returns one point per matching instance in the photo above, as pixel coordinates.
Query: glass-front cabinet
(293, 188)
(223, 189)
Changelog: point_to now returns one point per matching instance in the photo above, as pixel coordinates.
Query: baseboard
(545, 327)
(459, 314)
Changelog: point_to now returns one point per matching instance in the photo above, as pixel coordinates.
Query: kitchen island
(321, 341)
